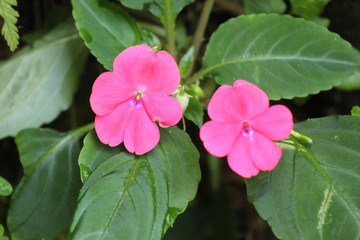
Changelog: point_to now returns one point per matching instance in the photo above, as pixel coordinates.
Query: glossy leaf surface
(44, 201)
(314, 191)
(106, 29)
(285, 56)
(126, 196)
(37, 83)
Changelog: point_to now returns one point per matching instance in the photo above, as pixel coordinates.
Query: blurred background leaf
(45, 199)
(2, 237)
(308, 9)
(39, 81)
(5, 187)
(351, 83)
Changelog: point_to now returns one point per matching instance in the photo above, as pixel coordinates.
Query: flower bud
(198, 91)
(183, 98)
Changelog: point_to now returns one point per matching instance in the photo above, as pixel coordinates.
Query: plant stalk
(200, 29)
(82, 130)
(169, 24)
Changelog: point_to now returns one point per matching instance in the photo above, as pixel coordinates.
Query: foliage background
(221, 209)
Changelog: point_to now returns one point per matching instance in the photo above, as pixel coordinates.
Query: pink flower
(243, 128)
(130, 100)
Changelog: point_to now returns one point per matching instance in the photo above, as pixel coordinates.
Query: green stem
(183, 123)
(200, 29)
(169, 24)
(301, 136)
(82, 130)
(197, 76)
(157, 29)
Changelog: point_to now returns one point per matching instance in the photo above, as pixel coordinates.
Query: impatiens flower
(243, 128)
(130, 100)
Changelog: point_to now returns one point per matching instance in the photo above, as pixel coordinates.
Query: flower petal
(165, 77)
(241, 102)
(254, 100)
(108, 92)
(223, 106)
(219, 137)
(167, 110)
(141, 134)
(276, 123)
(110, 128)
(147, 71)
(265, 154)
(239, 159)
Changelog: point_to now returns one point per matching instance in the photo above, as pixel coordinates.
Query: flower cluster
(243, 128)
(130, 100)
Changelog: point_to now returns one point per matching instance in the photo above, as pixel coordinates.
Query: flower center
(247, 131)
(135, 102)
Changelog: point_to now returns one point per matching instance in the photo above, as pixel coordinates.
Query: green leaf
(355, 111)
(9, 29)
(37, 83)
(189, 99)
(5, 188)
(195, 111)
(264, 6)
(286, 57)
(135, 197)
(325, 22)
(308, 9)
(158, 7)
(167, 11)
(106, 29)
(314, 191)
(150, 38)
(351, 83)
(44, 201)
(176, 5)
(186, 63)
(136, 4)
(2, 237)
